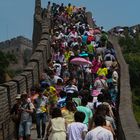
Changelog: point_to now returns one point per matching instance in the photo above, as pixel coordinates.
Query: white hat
(64, 64)
(18, 96)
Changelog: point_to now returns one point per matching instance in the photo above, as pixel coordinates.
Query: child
(77, 130)
(56, 129)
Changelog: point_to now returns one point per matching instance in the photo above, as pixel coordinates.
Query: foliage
(133, 60)
(26, 55)
(136, 104)
(5, 60)
(11, 58)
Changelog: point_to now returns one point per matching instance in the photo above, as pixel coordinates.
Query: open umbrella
(80, 61)
(97, 31)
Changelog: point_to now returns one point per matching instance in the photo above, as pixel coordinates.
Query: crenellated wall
(127, 125)
(29, 77)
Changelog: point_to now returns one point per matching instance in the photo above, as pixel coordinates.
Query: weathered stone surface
(4, 107)
(89, 19)
(33, 67)
(31, 74)
(21, 83)
(38, 57)
(28, 76)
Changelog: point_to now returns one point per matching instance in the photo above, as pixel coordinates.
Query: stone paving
(34, 133)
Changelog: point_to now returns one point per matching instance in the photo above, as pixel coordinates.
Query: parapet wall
(127, 125)
(128, 128)
(24, 81)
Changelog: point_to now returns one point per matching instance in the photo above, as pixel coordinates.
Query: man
(86, 110)
(77, 130)
(41, 107)
(69, 9)
(70, 88)
(26, 110)
(99, 132)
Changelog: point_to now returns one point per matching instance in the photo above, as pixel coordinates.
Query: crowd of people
(77, 99)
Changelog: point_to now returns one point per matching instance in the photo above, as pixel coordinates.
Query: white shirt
(90, 105)
(55, 78)
(75, 130)
(115, 77)
(58, 68)
(99, 133)
(40, 102)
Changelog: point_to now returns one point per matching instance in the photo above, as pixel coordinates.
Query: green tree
(26, 55)
(131, 50)
(5, 60)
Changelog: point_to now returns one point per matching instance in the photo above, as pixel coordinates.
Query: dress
(58, 129)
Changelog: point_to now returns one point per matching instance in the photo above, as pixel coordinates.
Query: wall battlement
(127, 126)
(24, 81)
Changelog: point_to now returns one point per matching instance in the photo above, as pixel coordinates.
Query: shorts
(25, 128)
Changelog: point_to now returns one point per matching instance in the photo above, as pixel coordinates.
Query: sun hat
(18, 96)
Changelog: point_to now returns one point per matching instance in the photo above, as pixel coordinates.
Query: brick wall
(24, 81)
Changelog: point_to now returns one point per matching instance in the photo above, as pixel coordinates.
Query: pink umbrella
(97, 31)
(80, 61)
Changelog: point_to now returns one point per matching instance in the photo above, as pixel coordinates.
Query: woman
(56, 129)
(102, 71)
(101, 111)
(68, 112)
(96, 64)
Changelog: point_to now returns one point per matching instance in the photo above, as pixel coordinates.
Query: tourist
(41, 103)
(56, 129)
(26, 109)
(68, 111)
(77, 130)
(86, 110)
(99, 132)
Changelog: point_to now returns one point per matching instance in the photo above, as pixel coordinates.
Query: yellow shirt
(67, 55)
(51, 94)
(69, 10)
(68, 116)
(102, 71)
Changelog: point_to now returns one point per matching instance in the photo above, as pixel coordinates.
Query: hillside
(16, 53)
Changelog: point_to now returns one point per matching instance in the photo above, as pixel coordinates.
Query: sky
(16, 16)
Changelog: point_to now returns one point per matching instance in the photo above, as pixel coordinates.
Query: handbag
(15, 118)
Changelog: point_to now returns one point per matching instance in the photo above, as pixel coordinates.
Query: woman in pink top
(96, 64)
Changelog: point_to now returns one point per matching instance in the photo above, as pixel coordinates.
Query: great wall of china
(127, 125)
